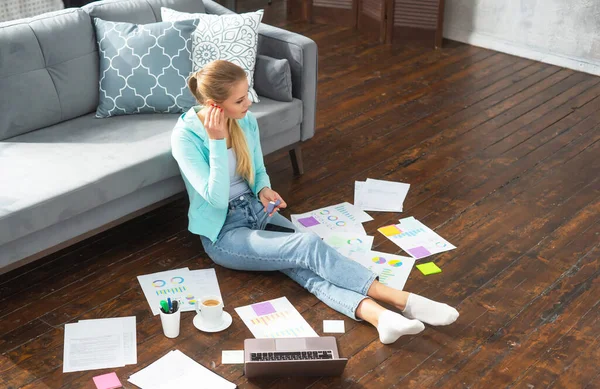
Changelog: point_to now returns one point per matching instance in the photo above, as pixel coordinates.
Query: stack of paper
(183, 285)
(177, 370)
(378, 195)
(275, 319)
(343, 217)
(99, 344)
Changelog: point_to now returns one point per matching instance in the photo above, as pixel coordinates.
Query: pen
(170, 305)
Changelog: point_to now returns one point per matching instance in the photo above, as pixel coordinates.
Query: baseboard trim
(497, 44)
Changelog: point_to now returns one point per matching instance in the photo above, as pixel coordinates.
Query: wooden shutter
(416, 21)
(372, 18)
(340, 12)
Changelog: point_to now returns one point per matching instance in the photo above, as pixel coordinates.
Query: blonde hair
(214, 82)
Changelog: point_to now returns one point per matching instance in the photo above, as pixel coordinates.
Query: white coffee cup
(210, 309)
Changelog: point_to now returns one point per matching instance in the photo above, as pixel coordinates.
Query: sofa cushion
(273, 78)
(61, 171)
(144, 68)
(69, 168)
(139, 11)
(231, 37)
(276, 116)
(46, 71)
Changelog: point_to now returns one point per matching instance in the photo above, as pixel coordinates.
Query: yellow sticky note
(389, 230)
(429, 268)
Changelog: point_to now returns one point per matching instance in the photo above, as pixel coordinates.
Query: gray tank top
(237, 184)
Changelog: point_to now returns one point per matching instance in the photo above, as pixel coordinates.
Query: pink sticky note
(262, 309)
(107, 381)
(308, 221)
(419, 252)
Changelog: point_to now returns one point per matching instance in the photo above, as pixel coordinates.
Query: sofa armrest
(301, 53)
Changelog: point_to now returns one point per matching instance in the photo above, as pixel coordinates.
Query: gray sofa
(65, 175)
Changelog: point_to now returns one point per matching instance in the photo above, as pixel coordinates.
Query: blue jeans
(243, 244)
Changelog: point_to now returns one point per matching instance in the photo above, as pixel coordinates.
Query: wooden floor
(503, 158)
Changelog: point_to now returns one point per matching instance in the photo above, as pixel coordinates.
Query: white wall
(560, 32)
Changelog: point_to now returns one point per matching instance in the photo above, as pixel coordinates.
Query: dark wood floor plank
(96, 255)
(562, 361)
(482, 74)
(42, 299)
(338, 171)
(533, 326)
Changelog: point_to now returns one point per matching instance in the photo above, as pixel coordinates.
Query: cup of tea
(210, 309)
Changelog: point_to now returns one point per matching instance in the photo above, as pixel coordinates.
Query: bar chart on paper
(416, 238)
(275, 319)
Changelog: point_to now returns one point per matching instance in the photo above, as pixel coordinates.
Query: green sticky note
(429, 268)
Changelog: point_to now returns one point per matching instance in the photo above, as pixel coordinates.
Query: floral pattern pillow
(230, 37)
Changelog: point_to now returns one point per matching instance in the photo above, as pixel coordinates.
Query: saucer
(227, 320)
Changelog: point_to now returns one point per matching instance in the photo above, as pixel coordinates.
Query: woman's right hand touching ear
(215, 123)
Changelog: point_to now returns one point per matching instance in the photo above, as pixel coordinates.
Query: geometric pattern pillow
(230, 37)
(144, 68)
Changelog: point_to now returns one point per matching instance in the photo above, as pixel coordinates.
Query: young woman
(217, 147)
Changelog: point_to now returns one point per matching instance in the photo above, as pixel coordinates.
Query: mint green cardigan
(204, 165)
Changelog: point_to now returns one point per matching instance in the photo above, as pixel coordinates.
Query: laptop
(316, 356)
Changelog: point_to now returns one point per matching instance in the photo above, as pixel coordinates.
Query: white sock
(429, 311)
(392, 326)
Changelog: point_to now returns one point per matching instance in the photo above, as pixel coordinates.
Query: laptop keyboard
(291, 355)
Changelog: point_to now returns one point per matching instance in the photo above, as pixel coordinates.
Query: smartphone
(277, 228)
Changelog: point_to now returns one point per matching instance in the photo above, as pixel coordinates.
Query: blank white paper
(177, 370)
(231, 357)
(333, 326)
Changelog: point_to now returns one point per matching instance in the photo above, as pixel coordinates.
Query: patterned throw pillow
(231, 37)
(144, 68)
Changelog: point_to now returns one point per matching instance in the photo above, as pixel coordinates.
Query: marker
(170, 305)
(165, 306)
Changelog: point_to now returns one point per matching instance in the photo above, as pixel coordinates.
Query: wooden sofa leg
(296, 157)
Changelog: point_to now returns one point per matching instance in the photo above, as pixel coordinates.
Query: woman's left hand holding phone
(266, 195)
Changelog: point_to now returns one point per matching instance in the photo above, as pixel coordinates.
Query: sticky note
(333, 326)
(232, 357)
(107, 381)
(389, 230)
(419, 252)
(429, 268)
(263, 308)
(308, 221)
